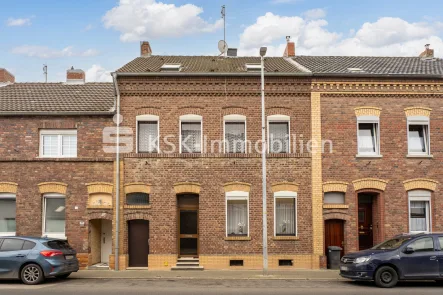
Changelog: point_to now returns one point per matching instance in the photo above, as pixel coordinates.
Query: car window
(440, 239)
(422, 245)
(12, 245)
(59, 245)
(28, 245)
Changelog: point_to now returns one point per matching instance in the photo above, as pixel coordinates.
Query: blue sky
(101, 35)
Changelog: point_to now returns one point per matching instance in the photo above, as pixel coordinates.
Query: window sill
(335, 206)
(8, 234)
(99, 207)
(286, 238)
(369, 156)
(137, 206)
(237, 238)
(420, 156)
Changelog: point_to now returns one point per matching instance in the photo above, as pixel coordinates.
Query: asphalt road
(181, 286)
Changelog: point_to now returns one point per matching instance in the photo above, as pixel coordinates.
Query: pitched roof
(57, 98)
(207, 64)
(371, 65)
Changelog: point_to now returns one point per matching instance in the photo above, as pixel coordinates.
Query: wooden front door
(334, 234)
(138, 243)
(188, 232)
(365, 236)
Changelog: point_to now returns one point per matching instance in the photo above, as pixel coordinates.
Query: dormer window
(171, 68)
(253, 67)
(355, 70)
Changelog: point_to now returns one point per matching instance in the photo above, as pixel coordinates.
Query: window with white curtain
(7, 214)
(334, 198)
(148, 136)
(418, 136)
(368, 138)
(237, 213)
(285, 213)
(54, 215)
(419, 211)
(190, 134)
(58, 143)
(235, 133)
(278, 134)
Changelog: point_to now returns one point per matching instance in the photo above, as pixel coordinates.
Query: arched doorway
(100, 239)
(334, 234)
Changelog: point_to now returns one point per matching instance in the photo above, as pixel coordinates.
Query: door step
(99, 266)
(187, 263)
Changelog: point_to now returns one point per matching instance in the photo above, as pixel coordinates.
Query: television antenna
(45, 72)
(223, 15)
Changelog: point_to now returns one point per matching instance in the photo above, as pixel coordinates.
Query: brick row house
(353, 158)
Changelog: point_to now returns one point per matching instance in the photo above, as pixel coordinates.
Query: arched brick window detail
(285, 186)
(100, 194)
(52, 187)
(420, 183)
(335, 186)
(137, 187)
(418, 111)
(367, 111)
(187, 188)
(370, 183)
(237, 186)
(8, 187)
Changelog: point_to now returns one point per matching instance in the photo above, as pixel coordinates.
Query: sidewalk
(314, 275)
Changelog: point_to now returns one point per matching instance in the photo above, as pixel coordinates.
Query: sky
(100, 36)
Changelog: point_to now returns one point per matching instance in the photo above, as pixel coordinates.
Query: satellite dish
(222, 46)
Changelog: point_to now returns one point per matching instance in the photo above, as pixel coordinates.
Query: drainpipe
(117, 176)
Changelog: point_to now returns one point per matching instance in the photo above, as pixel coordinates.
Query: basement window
(137, 199)
(285, 262)
(171, 67)
(236, 262)
(253, 67)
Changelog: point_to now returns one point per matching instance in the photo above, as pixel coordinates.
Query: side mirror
(409, 250)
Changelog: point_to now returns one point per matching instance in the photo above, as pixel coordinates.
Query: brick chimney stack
(290, 48)
(428, 53)
(6, 77)
(145, 49)
(75, 76)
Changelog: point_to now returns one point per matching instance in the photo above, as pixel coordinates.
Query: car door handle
(433, 258)
(20, 255)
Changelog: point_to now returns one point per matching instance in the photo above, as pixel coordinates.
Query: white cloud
(97, 73)
(46, 52)
(88, 28)
(387, 36)
(315, 13)
(145, 19)
(18, 22)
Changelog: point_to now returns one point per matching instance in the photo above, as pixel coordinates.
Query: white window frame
(369, 120)
(421, 196)
(236, 196)
(147, 118)
(59, 133)
(420, 120)
(282, 119)
(285, 195)
(233, 119)
(44, 233)
(191, 118)
(8, 196)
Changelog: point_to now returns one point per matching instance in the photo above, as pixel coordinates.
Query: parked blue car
(405, 257)
(34, 259)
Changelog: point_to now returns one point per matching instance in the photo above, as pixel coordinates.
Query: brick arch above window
(418, 112)
(187, 188)
(336, 215)
(370, 183)
(137, 216)
(285, 186)
(52, 187)
(420, 183)
(335, 186)
(99, 215)
(99, 187)
(137, 187)
(367, 111)
(8, 187)
(237, 186)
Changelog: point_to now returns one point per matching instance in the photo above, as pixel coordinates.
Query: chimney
(145, 49)
(232, 51)
(75, 76)
(290, 48)
(6, 77)
(428, 53)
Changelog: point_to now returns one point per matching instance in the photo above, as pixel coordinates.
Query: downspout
(117, 176)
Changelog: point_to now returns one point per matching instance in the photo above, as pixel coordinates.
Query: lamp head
(263, 51)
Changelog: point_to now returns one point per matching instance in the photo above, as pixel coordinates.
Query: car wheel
(63, 276)
(32, 274)
(439, 282)
(386, 277)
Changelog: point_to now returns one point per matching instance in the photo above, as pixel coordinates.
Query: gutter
(56, 113)
(117, 176)
(362, 75)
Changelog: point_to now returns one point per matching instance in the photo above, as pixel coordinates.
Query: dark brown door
(188, 232)
(334, 234)
(138, 243)
(365, 236)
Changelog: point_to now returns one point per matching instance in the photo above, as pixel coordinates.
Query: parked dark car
(405, 257)
(34, 259)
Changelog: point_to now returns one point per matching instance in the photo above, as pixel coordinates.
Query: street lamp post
(264, 146)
